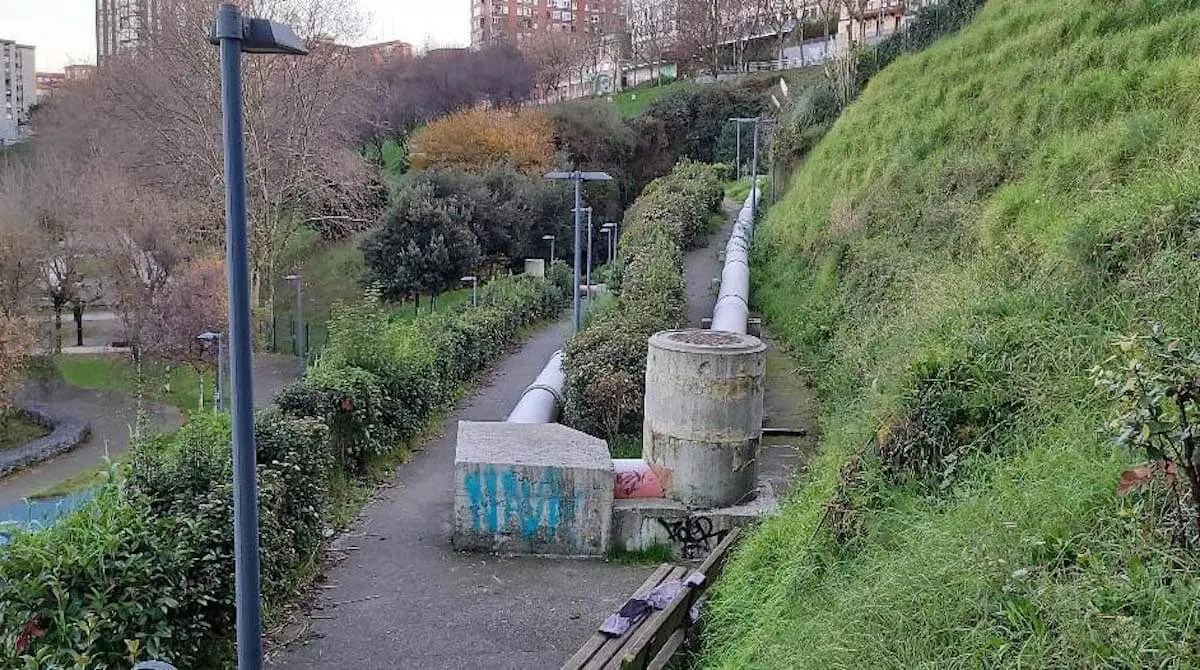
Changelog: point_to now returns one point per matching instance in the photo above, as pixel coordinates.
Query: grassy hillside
(950, 262)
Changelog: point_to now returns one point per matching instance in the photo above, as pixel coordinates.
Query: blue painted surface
(36, 514)
(503, 499)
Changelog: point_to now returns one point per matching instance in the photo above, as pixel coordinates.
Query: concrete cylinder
(704, 410)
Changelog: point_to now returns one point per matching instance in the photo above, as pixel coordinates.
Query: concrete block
(535, 267)
(541, 489)
(754, 326)
(639, 524)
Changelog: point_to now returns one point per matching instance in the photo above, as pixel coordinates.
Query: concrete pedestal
(531, 489)
(640, 524)
(704, 409)
(535, 267)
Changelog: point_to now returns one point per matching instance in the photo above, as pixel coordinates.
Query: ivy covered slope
(953, 259)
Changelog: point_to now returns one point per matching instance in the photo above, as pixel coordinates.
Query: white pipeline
(540, 402)
(733, 302)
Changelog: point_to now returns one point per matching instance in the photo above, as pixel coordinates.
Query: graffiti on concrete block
(505, 500)
(694, 535)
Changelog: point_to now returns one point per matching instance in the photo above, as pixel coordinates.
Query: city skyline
(64, 31)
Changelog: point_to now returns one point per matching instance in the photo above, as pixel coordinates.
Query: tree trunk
(78, 310)
(58, 310)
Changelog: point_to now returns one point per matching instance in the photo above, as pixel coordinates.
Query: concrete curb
(67, 432)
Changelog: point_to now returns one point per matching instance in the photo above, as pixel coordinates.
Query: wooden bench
(650, 643)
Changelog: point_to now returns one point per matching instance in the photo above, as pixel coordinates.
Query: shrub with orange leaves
(480, 138)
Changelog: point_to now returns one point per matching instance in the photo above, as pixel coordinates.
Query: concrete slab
(539, 489)
(640, 524)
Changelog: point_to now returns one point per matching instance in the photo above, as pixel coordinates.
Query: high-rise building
(125, 24)
(18, 82)
(518, 20)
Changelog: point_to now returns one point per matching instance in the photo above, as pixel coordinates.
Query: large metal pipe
(733, 301)
(540, 402)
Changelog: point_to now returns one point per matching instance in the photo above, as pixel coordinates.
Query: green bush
(606, 363)
(112, 584)
(145, 570)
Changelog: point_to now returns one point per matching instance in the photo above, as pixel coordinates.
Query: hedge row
(606, 363)
(145, 570)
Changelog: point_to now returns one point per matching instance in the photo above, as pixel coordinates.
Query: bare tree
(651, 28)
(703, 25)
(156, 118)
(553, 55)
(828, 12)
(857, 11)
(782, 17)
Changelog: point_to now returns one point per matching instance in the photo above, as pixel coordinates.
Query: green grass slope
(950, 262)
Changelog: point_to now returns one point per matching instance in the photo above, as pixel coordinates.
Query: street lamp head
(209, 336)
(582, 176)
(608, 226)
(257, 36)
(469, 278)
(547, 237)
(292, 278)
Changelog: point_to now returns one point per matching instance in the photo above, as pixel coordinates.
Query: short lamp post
(235, 35)
(610, 229)
(578, 177)
(550, 239)
(298, 321)
(474, 281)
(219, 394)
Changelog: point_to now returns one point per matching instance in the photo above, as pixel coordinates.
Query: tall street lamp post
(578, 177)
(219, 398)
(235, 35)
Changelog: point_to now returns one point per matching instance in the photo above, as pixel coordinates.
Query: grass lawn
(169, 384)
(16, 430)
(633, 102)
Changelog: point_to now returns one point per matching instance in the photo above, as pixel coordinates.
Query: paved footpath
(403, 598)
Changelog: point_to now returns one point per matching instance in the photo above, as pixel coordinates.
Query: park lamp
(208, 337)
(234, 35)
(577, 176)
(258, 36)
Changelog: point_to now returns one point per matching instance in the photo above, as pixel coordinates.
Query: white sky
(64, 31)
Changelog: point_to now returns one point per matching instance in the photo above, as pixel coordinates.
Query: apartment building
(382, 52)
(18, 82)
(519, 20)
(123, 25)
(870, 21)
(49, 82)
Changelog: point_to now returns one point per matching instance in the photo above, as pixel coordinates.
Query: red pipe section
(634, 478)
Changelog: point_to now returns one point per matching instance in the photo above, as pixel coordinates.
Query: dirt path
(403, 598)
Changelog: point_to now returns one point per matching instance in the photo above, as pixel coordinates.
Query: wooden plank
(654, 634)
(672, 645)
(714, 564)
(634, 637)
(598, 639)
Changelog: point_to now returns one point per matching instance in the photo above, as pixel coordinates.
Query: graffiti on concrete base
(694, 535)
